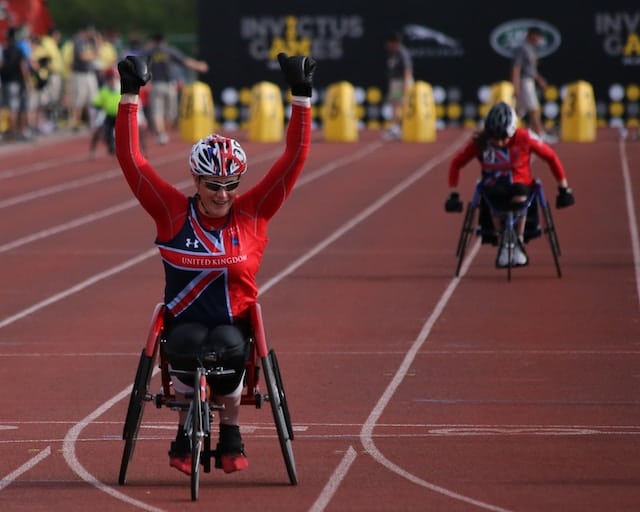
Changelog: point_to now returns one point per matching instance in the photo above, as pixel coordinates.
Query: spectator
(400, 80)
(15, 75)
(525, 77)
(84, 81)
(164, 83)
(106, 104)
(52, 95)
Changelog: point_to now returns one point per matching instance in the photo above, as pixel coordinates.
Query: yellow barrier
(266, 113)
(502, 91)
(197, 116)
(578, 118)
(339, 120)
(4, 120)
(419, 114)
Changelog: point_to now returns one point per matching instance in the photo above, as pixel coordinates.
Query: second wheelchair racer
(504, 152)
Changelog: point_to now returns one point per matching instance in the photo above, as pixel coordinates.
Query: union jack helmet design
(216, 155)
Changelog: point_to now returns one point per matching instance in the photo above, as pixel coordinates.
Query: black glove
(134, 73)
(453, 203)
(565, 197)
(298, 72)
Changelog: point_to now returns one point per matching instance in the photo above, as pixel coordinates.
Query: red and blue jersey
(514, 159)
(211, 264)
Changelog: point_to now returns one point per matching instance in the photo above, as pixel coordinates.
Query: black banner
(460, 48)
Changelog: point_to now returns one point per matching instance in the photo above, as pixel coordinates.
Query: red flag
(33, 13)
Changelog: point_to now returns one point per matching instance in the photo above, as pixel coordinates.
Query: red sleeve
(166, 204)
(460, 159)
(547, 153)
(268, 195)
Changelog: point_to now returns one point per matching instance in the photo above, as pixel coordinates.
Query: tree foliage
(124, 16)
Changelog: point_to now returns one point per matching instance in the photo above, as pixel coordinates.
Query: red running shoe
(230, 456)
(181, 463)
(233, 462)
(180, 455)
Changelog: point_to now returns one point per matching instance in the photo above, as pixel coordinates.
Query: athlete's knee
(229, 345)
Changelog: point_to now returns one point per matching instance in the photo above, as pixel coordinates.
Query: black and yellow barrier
(197, 115)
(266, 113)
(339, 120)
(578, 117)
(419, 114)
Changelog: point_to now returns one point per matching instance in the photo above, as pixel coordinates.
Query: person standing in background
(106, 104)
(15, 75)
(400, 81)
(83, 86)
(525, 78)
(53, 93)
(164, 85)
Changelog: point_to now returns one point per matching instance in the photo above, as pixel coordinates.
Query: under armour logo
(192, 243)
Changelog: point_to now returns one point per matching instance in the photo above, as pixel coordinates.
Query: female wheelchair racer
(504, 152)
(212, 242)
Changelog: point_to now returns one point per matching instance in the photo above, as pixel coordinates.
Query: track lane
(343, 263)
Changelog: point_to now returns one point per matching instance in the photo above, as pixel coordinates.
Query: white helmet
(216, 155)
(501, 121)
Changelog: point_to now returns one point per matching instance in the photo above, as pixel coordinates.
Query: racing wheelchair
(533, 209)
(200, 410)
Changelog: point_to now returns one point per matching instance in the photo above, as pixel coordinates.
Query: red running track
(409, 389)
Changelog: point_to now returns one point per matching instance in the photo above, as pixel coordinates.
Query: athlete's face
(501, 143)
(217, 194)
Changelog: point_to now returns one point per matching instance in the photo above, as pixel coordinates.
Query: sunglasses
(216, 185)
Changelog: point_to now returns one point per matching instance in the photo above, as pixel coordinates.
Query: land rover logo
(508, 36)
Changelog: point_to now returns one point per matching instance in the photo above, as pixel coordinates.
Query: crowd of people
(50, 84)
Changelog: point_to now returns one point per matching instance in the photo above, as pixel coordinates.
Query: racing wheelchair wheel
(139, 395)
(280, 409)
(467, 230)
(550, 231)
(199, 428)
(508, 240)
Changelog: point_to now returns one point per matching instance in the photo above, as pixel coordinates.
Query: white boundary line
(25, 467)
(334, 482)
(631, 213)
(69, 451)
(366, 435)
(341, 471)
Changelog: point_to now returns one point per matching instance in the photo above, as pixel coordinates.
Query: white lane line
(41, 166)
(364, 214)
(78, 287)
(63, 187)
(334, 482)
(151, 252)
(631, 213)
(76, 430)
(133, 203)
(73, 434)
(80, 221)
(14, 475)
(69, 451)
(47, 164)
(366, 435)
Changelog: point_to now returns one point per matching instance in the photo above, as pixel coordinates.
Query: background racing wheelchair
(479, 220)
(201, 410)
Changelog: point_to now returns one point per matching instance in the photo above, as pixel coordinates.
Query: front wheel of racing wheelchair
(200, 410)
(478, 221)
